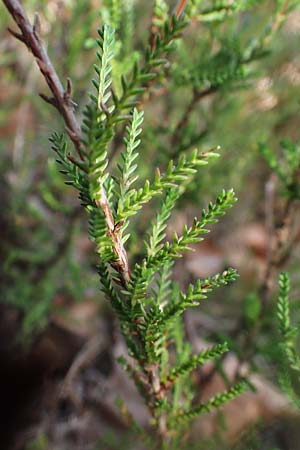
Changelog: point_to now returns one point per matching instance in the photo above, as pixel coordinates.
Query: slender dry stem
(196, 98)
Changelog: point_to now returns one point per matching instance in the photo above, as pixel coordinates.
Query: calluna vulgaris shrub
(146, 299)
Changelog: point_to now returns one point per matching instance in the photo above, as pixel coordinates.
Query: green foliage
(175, 175)
(148, 305)
(283, 307)
(160, 13)
(286, 166)
(157, 233)
(227, 68)
(146, 299)
(215, 402)
(39, 443)
(196, 360)
(290, 366)
(105, 55)
(252, 309)
(128, 166)
(219, 10)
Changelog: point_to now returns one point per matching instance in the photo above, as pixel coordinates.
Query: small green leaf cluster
(153, 64)
(287, 331)
(215, 402)
(290, 365)
(105, 55)
(286, 166)
(111, 12)
(229, 67)
(218, 11)
(229, 64)
(160, 13)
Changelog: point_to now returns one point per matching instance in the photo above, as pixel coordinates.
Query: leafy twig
(61, 100)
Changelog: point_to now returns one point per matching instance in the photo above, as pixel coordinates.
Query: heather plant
(146, 299)
(148, 304)
(224, 62)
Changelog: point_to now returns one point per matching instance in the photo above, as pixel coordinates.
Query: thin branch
(279, 239)
(197, 96)
(269, 223)
(84, 358)
(181, 5)
(30, 37)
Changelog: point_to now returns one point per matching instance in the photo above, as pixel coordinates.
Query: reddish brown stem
(197, 97)
(61, 99)
(181, 5)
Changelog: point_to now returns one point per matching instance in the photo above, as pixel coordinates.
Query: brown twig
(86, 355)
(181, 5)
(197, 97)
(30, 36)
(279, 239)
(269, 223)
(61, 100)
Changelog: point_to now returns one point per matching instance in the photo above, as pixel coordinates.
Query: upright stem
(158, 393)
